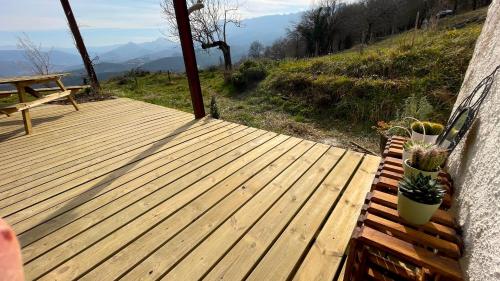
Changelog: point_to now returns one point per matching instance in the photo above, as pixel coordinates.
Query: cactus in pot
(418, 198)
(425, 160)
(411, 144)
(427, 132)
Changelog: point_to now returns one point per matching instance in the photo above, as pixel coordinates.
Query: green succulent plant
(422, 189)
(430, 128)
(428, 159)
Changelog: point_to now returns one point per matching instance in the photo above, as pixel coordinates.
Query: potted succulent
(410, 144)
(418, 198)
(425, 160)
(427, 132)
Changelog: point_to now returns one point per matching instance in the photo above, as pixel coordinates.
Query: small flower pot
(406, 155)
(409, 171)
(415, 212)
(430, 139)
(383, 142)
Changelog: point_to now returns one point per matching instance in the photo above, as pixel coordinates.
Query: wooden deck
(128, 190)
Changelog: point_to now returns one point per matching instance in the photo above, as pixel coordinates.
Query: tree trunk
(226, 53)
(94, 82)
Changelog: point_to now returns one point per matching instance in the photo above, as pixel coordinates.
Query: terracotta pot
(383, 143)
(430, 139)
(409, 171)
(415, 212)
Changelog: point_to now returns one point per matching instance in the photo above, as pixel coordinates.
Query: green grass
(336, 98)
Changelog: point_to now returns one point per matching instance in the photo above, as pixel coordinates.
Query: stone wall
(475, 164)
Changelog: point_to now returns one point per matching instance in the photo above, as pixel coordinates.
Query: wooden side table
(385, 247)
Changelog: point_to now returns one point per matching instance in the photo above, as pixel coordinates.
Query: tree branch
(197, 6)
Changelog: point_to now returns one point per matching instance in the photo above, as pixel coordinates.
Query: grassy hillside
(334, 99)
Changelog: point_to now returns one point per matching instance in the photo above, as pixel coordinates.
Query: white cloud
(47, 14)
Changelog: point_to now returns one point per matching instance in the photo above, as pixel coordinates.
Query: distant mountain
(265, 29)
(159, 48)
(12, 68)
(123, 53)
(160, 54)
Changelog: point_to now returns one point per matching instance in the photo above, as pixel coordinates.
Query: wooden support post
(94, 82)
(182, 17)
(416, 28)
(70, 96)
(26, 113)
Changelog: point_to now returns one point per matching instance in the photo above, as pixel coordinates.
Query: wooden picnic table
(23, 85)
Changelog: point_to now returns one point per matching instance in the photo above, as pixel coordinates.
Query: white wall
(475, 164)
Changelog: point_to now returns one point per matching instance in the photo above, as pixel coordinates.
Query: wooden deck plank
(167, 136)
(89, 125)
(129, 190)
(85, 261)
(40, 143)
(241, 258)
(101, 191)
(66, 120)
(209, 252)
(53, 157)
(265, 167)
(121, 196)
(43, 188)
(283, 257)
(139, 186)
(97, 151)
(325, 256)
(258, 195)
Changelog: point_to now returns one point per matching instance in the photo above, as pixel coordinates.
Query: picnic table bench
(385, 247)
(23, 86)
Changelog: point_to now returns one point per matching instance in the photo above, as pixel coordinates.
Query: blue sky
(107, 22)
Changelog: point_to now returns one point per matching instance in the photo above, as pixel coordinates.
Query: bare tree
(256, 50)
(39, 60)
(209, 21)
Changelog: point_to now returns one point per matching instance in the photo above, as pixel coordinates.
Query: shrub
(137, 72)
(213, 68)
(254, 74)
(291, 83)
(248, 72)
(417, 107)
(238, 80)
(253, 71)
(122, 80)
(214, 108)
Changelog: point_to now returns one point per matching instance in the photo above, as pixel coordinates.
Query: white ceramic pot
(415, 212)
(406, 155)
(409, 171)
(430, 139)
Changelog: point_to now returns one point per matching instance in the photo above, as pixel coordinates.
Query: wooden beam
(182, 17)
(94, 82)
(26, 113)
